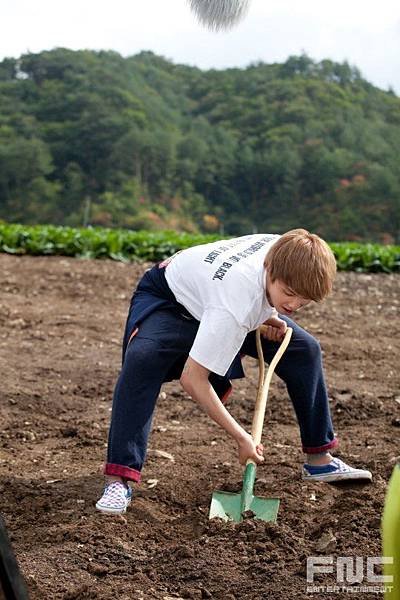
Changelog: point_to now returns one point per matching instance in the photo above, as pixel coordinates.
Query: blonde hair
(304, 262)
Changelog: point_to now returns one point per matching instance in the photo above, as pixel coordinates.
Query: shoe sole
(331, 477)
(112, 511)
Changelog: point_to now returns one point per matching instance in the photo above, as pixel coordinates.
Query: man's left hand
(274, 329)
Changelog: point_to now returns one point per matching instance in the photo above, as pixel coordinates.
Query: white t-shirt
(223, 285)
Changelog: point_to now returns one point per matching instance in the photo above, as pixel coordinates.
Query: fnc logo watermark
(354, 574)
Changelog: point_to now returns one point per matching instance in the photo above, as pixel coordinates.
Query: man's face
(285, 300)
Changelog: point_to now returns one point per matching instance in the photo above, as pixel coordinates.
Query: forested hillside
(94, 138)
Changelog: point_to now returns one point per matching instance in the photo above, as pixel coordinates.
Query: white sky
(364, 32)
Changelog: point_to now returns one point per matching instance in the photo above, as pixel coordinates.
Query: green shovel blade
(229, 506)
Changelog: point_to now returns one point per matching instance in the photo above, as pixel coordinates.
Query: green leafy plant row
(371, 258)
(120, 244)
(98, 242)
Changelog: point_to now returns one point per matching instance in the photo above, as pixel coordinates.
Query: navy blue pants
(162, 343)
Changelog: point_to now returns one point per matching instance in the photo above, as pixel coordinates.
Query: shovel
(229, 506)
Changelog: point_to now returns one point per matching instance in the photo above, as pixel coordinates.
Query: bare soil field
(61, 325)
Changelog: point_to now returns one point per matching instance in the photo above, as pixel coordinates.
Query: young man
(193, 316)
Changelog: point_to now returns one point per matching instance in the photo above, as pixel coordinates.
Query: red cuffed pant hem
(319, 449)
(121, 471)
(225, 397)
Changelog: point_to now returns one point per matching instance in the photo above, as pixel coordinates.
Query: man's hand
(195, 382)
(274, 329)
(248, 449)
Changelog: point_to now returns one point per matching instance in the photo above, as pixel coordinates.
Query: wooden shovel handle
(263, 385)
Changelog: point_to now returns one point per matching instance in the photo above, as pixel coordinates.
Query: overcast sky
(364, 32)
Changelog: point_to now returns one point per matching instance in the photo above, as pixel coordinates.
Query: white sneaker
(115, 499)
(336, 470)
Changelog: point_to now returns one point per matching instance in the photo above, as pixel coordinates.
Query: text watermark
(354, 574)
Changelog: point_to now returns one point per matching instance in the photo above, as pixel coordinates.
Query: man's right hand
(248, 449)
(195, 382)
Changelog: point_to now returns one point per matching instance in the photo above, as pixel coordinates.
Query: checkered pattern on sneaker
(115, 499)
(336, 470)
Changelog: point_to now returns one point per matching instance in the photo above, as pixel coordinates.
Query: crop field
(61, 322)
(126, 245)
